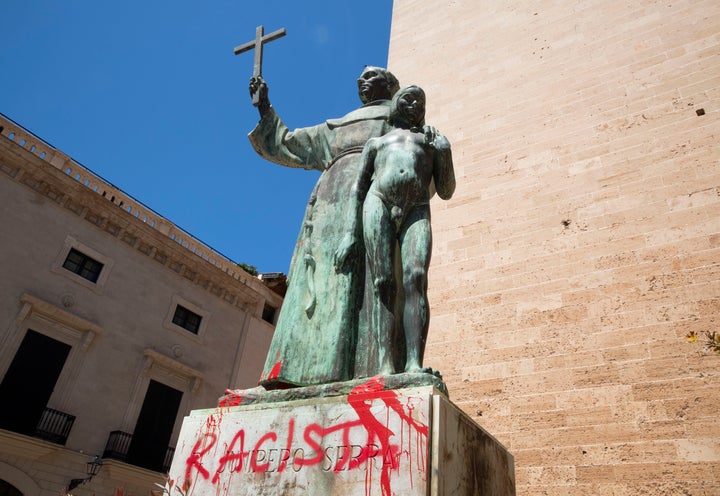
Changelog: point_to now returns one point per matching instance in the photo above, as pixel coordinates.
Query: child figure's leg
(415, 248)
(379, 234)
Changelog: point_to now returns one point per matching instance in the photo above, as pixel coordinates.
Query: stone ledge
(259, 395)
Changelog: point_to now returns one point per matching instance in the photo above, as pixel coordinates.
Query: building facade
(583, 242)
(114, 324)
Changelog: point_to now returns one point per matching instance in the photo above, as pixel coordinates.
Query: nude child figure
(399, 172)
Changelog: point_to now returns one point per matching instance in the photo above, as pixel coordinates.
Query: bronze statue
(317, 330)
(391, 212)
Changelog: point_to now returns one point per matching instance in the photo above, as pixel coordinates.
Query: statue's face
(372, 85)
(411, 106)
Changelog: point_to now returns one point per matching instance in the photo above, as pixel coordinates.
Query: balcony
(48, 424)
(54, 426)
(119, 447)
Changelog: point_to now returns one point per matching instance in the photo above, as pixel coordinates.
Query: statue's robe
(317, 330)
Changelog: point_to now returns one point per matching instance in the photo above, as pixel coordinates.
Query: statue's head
(376, 83)
(408, 107)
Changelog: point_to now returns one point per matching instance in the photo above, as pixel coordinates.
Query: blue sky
(150, 96)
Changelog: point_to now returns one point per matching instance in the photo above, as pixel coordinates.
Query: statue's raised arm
(259, 93)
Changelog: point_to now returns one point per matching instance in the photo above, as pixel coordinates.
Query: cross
(257, 44)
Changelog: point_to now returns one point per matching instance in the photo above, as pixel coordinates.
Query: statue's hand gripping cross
(257, 44)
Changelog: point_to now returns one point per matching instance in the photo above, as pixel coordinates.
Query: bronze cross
(257, 44)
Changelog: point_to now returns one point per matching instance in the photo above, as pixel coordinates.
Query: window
(183, 315)
(27, 386)
(187, 319)
(268, 313)
(82, 265)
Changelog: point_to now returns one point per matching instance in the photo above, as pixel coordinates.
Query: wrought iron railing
(118, 445)
(54, 426)
(168, 459)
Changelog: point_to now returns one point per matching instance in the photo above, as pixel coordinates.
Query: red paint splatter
(360, 399)
(275, 371)
(232, 398)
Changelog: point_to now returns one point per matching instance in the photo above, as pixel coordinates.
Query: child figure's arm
(353, 229)
(443, 171)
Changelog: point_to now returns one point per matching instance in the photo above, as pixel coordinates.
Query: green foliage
(250, 269)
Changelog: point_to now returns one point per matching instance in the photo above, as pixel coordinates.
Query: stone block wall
(583, 242)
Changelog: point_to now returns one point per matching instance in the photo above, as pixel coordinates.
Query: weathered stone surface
(261, 395)
(466, 459)
(372, 441)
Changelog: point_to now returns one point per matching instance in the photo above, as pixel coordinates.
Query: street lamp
(93, 467)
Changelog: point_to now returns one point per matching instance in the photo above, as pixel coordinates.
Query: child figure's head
(407, 108)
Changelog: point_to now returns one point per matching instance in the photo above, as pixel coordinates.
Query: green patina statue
(390, 210)
(337, 322)
(315, 340)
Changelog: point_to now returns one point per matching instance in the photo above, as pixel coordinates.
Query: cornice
(31, 162)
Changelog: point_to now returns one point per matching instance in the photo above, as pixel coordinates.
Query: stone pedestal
(372, 441)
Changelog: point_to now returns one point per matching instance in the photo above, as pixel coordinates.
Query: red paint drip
(361, 399)
(275, 372)
(207, 440)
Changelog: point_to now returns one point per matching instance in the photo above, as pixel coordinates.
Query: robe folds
(316, 334)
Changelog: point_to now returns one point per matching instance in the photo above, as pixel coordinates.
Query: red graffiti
(195, 458)
(231, 456)
(318, 444)
(201, 448)
(256, 467)
(360, 399)
(288, 445)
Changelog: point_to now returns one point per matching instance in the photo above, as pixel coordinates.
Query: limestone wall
(583, 241)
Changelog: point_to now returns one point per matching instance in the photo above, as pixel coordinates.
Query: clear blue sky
(149, 95)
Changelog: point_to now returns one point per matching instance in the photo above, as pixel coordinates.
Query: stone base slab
(372, 441)
(236, 397)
